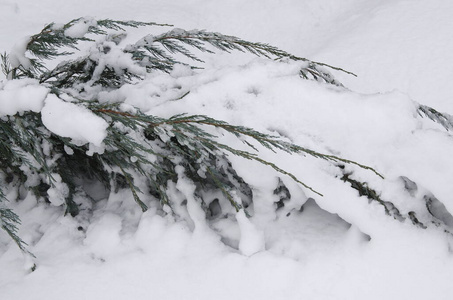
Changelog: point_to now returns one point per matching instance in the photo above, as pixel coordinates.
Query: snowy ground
(339, 246)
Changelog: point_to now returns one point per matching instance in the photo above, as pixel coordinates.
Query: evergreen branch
(45, 44)
(134, 190)
(27, 140)
(9, 222)
(67, 73)
(443, 119)
(120, 25)
(145, 52)
(364, 190)
(268, 141)
(138, 146)
(228, 195)
(197, 38)
(6, 65)
(252, 156)
(315, 63)
(174, 40)
(190, 135)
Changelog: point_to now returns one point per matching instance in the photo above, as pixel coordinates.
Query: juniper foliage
(443, 119)
(9, 222)
(139, 147)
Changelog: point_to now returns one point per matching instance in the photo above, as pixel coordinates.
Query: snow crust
(338, 246)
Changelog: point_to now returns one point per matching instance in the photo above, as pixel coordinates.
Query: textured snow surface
(338, 246)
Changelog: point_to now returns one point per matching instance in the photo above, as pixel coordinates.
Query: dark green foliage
(176, 41)
(9, 222)
(150, 52)
(5, 64)
(46, 45)
(139, 148)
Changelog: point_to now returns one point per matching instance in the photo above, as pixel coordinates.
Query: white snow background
(401, 52)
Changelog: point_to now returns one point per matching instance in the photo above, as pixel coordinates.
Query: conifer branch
(150, 52)
(267, 141)
(237, 206)
(172, 41)
(137, 146)
(6, 65)
(9, 222)
(134, 190)
(183, 128)
(443, 119)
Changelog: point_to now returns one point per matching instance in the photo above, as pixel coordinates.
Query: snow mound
(70, 120)
(17, 96)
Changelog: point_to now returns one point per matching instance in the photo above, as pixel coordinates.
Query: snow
(339, 246)
(17, 96)
(252, 240)
(103, 235)
(410, 56)
(58, 192)
(73, 121)
(80, 28)
(115, 59)
(17, 54)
